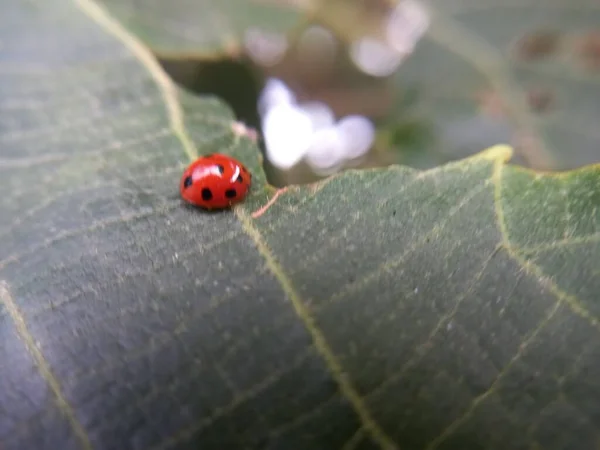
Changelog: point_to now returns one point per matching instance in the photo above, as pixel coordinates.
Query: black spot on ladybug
(206, 194)
(230, 193)
(221, 168)
(187, 182)
(240, 179)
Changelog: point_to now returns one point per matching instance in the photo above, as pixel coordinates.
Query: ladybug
(215, 181)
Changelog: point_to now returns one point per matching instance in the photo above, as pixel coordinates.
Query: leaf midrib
(175, 114)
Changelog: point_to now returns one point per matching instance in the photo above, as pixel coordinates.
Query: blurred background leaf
(485, 72)
(202, 28)
(496, 71)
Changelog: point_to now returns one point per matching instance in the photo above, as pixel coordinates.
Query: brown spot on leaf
(589, 50)
(537, 45)
(491, 104)
(540, 100)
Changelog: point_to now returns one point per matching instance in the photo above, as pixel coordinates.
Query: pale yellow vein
(46, 200)
(494, 153)
(166, 87)
(293, 210)
(226, 379)
(562, 298)
(420, 351)
(570, 300)
(169, 93)
(349, 223)
(125, 277)
(42, 364)
(237, 401)
(304, 417)
(244, 342)
(320, 342)
(394, 262)
(29, 162)
(160, 340)
(575, 365)
(65, 127)
(555, 245)
(15, 257)
(447, 432)
(355, 440)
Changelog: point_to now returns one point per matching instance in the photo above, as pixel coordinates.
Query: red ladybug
(215, 182)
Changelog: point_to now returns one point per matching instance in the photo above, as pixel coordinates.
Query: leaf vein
(447, 432)
(590, 238)
(239, 400)
(319, 339)
(571, 301)
(341, 233)
(163, 338)
(399, 259)
(29, 162)
(354, 440)
(295, 209)
(42, 365)
(124, 277)
(126, 218)
(302, 418)
(422, 348)
(62, 128)
(70, 192)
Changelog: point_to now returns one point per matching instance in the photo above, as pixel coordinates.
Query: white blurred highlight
(404, 27)
(327, 152)
(288, 131)
(358, 134)
(274, 93)
(321, 115)
(263, 47)
(374, 57)
(309, 131)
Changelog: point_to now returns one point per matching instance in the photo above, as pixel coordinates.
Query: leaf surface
(392, 308)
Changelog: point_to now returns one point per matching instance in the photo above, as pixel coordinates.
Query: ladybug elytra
(215, 181)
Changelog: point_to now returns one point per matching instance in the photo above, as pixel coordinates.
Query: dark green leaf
(393, 308)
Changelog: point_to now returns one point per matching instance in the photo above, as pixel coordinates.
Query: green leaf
(477, 43)
(393, 308)
(546, 103)
(202, 27)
